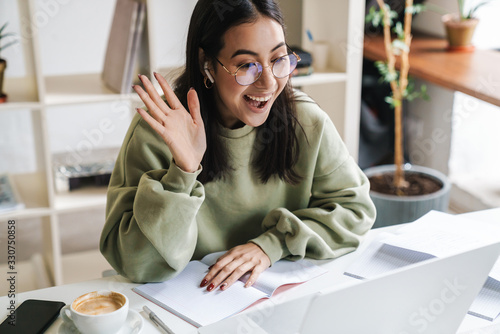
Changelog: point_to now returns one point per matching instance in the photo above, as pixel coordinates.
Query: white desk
(67, 293)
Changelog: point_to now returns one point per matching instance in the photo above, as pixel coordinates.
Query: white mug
(98, 312)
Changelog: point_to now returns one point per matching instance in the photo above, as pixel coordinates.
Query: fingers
(150, 120)
(226, 275)
(153, 94)
(194, 106)
(234, 265)
(172, 99)
(157, 113)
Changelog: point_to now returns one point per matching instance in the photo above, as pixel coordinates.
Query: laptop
(432, 296)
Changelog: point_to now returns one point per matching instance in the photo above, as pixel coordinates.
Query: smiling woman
(232, 159)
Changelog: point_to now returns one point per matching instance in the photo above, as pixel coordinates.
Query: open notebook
(183, 296)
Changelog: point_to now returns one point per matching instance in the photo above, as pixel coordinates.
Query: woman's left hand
(235, 263)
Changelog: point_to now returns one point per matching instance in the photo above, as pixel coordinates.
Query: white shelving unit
(337, 90)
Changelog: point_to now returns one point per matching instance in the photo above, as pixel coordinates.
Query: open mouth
(257, 102)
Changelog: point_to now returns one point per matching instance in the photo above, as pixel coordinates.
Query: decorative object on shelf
(123, 45)
(394, 187)
(3, 62)
(73, 172)
(9, 197)
(460, 26)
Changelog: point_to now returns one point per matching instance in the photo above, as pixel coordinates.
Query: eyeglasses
(249, 73)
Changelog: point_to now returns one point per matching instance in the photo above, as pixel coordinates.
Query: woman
(239, 163)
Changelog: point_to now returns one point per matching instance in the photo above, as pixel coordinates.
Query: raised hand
(182, 131)
(234, 264)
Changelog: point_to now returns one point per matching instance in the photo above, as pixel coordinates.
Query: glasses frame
(263, 67)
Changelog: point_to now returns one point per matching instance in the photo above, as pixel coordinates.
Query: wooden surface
(474, 73)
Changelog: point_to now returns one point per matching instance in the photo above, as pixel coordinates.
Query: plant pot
(393, 209)
(459, 32)
(3, 66)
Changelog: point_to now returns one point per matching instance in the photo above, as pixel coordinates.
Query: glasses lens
(284, 66)
(248, 73)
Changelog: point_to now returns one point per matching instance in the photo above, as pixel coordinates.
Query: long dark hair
(276, 149)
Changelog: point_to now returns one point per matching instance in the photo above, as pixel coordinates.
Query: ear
(205, 66)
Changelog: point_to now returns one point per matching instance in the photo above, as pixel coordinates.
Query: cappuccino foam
(98, 304)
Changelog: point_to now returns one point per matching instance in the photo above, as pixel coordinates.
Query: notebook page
(286, 272)
(487, 303)
(380, 258)
(442, 234)
(182, 296)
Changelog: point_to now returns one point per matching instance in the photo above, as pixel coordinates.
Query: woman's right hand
(182, 131)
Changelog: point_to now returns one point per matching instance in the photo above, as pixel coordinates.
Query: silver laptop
(428, 297)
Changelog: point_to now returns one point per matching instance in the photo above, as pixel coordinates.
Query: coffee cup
(97, 312)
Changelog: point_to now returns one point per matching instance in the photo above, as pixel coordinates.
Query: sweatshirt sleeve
(340, 210)
(150, 232)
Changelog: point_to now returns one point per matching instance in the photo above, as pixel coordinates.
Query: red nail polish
(223, 286)
(203, 283)
(211, 287)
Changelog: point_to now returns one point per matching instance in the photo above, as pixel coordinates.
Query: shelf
(319, 79)
(21, 93)
(472, 73)
(18, 105)
(25, 213)
(82, 199)
(80, 88)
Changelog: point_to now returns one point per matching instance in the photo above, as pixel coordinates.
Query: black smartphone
(33, 316)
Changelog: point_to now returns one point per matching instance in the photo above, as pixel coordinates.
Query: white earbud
(210, 77)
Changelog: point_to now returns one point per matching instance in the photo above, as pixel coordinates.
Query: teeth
(260, 99)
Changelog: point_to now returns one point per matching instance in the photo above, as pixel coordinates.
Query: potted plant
(3, 62)
(401, 192)
(460, 26)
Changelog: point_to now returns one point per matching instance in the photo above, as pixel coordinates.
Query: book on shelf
(183, 296)
(436, 234)
(9, 196)
(123, 45)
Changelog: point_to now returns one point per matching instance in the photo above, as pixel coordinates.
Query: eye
(280, 58)
(247, 66)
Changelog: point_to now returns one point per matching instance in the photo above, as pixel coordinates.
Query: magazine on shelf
(123, 45)
(9, 197)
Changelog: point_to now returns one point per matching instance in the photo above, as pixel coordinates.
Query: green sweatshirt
(159, 217)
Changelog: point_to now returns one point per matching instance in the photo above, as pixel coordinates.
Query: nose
(267, 78)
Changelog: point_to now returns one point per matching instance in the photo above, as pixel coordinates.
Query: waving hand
(182, 131)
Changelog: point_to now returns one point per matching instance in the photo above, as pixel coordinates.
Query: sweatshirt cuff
(179, 181)
(273, 244)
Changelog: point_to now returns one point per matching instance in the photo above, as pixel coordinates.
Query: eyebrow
(253, 53)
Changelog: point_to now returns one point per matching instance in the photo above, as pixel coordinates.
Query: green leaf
(399, 31)
(399, 46)
(415, 9)
(473, 10)
(7, 35)
(3, 27)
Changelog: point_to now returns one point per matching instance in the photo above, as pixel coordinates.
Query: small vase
(459, 32)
